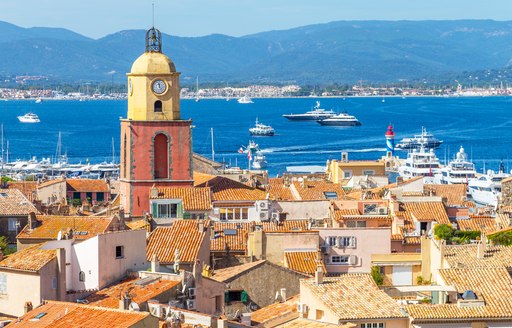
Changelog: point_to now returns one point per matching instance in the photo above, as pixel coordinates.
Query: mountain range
(336, 52)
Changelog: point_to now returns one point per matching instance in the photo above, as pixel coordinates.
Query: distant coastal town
(265, 91)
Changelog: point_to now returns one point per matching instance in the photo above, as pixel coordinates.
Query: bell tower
(156, 145)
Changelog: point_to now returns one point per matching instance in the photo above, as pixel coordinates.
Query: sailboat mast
(2, 151)
(213, 149)
(113, 152)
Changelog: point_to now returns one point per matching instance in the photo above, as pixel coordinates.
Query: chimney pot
(319, 275)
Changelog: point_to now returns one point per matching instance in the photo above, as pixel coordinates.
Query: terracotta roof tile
(194, 199)
(235, 240)
(306, 323)
(50, 182)
(227, 274)
(278, 190)
(493, 284)
(455, 194)
(137, 224)
(305, 262)
(426, 211)
(66, 314)
(225, 189)
(314, 190)
(13, 202)
(109, 297)
(48, 227)
(200, 178)
(478, 224)
(464, 256)
(28, 188)
(29, 259)
(354, 297)
(87, 185)
(183, 235)
(273, 311)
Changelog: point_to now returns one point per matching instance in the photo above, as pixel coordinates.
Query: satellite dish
(59, 235)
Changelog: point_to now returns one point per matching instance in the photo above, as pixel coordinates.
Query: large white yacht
(316, 114)
(245, 100)
(342, 119)
(425, 139)
(486, 189)
(459, 170)
(29, 118)
(420, 163)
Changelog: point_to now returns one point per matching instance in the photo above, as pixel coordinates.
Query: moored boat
(316, 114)
(261, 129)
(342, 119)
(29, 118)
(425, 139)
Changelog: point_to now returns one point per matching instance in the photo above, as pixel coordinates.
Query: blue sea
(482, 125)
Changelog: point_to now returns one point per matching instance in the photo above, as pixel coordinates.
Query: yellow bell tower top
(153, 84)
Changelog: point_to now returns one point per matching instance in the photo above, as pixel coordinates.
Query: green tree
(5, 247)
(377, 276)
(443, 231)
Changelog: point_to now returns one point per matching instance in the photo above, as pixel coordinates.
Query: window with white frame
(331, 240)
(356, 224)
(13, 224)
(347, 174)
(368, 172)
(373, 325)
(234, 213)
(346, 241)
(3, 283)
(340, 259)
(167, 211)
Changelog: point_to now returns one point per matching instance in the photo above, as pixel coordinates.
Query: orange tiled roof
(494, 284)
(48, 226)
(137, 224)
(225, 189)
(478, 224)
(314, 190)
(234, 242)
(307, 323)
(109, 297)
(425, 211)
(13, 202)
(278, 190)
(354, 297)
(183, 235)
(305, 262)
(29, 259)
(87, 185)
(50, 182)
(28, 188)
(67, 314)
(194, 199)
(464, 256)
(200, 178)
(228, 274)
(273, 311)
(455, 194)
(285, 226)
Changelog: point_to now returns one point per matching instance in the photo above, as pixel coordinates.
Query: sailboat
(197, 89)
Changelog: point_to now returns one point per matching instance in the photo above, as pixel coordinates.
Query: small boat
(39, 100)
(342, 119)
(258, 159)
(425, 139)
(313, 115)
(261, 129)
(245, 100)
(29, 118)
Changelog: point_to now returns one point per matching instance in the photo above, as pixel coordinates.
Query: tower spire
(153, 13)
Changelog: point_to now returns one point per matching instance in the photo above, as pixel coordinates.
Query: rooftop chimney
(319, 275)
(481, 246)
(200, 226)
(153, 193)
(283, 295)
(155, 265)
(28, 307)
(122, 225)
(32, 220)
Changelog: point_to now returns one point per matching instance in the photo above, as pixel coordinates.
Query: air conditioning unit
(264, 216)
(155, 310)
(191, 304)
(302, 308)
(352, 260)
(192, 292)
(383, 210)
(262, 205)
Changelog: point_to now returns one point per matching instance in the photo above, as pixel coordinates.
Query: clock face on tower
(159, 87)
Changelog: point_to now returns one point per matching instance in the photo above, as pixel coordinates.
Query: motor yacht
(29, 118)
(316, 114)
(342, 119)
(460, 170)
(261, 129)
(424, 139)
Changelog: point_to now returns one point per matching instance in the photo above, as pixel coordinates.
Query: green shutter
(180, 210)
(154, 210)
(244, 296)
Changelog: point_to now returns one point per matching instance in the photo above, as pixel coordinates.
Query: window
(330, 195)
(347, 174)
(339, 259)
(100, 196)
(161, 156)
(167, 211)
(368, 172)
(54, 283)
(76, 195)
(370, 208)
(14, 224)
(347, 242)
(158, 106)
(81, 276)
(119, 252)
(356, 224)
(331, 241)
(3, 283)
(373, 325)
(319, 315)
(237, 213)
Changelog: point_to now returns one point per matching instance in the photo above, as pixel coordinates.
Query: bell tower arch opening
(161, 156)
(158, 106)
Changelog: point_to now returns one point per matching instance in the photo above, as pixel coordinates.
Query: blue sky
(97, 18)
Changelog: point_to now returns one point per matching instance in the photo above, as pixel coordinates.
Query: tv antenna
(153, 13)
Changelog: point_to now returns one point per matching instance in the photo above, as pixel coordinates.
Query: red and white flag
(241, 150)
(249, 153)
